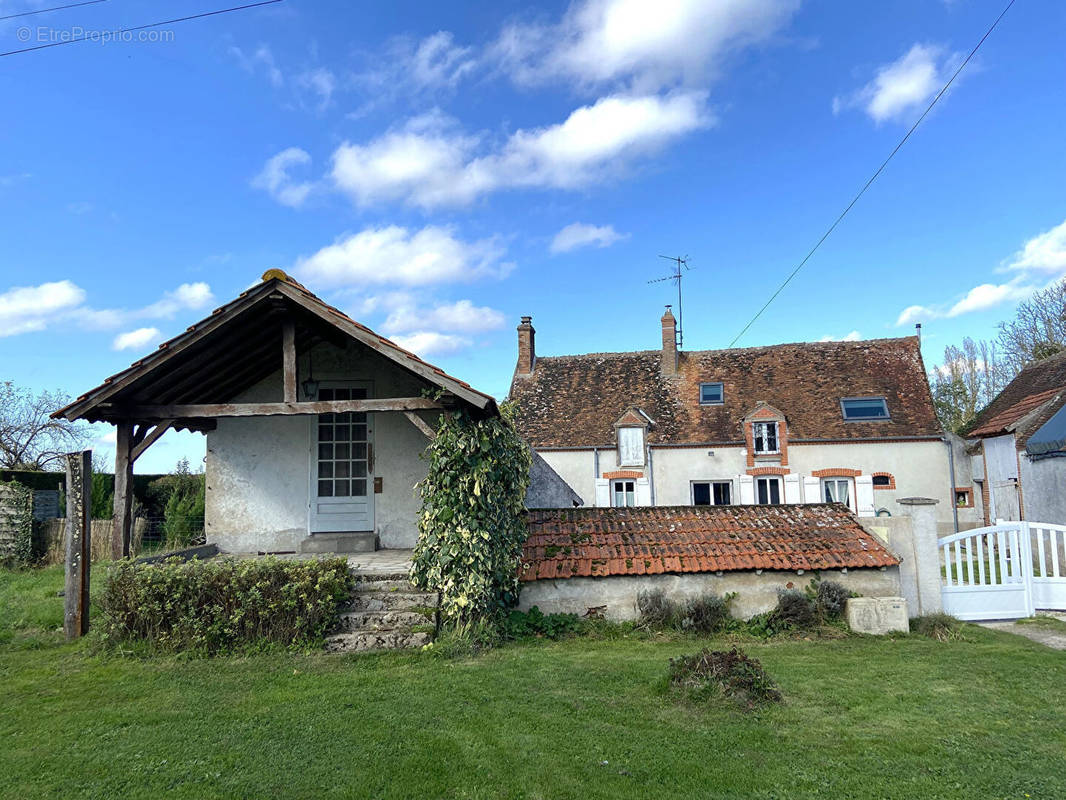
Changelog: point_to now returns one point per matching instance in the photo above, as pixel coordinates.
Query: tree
(967, 381)
(1038, 329)
(29, 438)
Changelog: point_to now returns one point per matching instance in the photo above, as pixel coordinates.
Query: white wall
(920, 469)
(258, 468)
(1044, 489)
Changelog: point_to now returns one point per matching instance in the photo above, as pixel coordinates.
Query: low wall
(756, 593)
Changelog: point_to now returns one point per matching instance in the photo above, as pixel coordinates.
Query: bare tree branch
(29, 438)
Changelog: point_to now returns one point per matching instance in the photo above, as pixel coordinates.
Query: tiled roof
(571, 401)
(597, 542)
(1026, 403)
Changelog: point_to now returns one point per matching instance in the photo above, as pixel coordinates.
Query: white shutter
(631, 447)
(603, 492)
(643, 492)
(747, 490)
(792, 489)
(812, 489)
(864, 495)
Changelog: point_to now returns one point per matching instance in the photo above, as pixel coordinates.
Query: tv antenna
(675, 275)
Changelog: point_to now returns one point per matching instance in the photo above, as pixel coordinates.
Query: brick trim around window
(837, 472)
(969, 497)
(768, 471)
(891, 480)
(623, 473)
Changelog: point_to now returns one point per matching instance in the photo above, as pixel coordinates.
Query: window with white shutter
(631, 447)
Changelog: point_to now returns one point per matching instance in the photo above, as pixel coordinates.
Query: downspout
(651, 476)
(951, 469)
(595, 465)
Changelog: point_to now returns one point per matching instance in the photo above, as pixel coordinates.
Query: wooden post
(79, 550)
(288, 354)
(122, 526)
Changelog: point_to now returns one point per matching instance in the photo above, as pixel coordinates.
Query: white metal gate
(1005, 571)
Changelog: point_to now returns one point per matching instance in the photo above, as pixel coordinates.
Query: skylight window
(711, 394)
(859, 409)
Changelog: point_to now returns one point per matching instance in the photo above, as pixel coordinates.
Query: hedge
(224, 605)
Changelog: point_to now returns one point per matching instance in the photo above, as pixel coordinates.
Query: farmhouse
(847, 422)
(1018, 446)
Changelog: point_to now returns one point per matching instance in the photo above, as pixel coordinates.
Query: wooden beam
(210, 410)
(147, 439)
(421, 424)
(122, 522)
(288, 353)
(79, 544)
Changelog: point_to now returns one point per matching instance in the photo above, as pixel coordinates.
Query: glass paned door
(342, 482)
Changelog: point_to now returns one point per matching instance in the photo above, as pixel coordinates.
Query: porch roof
(239, 344)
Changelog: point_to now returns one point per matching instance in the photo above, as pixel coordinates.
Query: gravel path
(1054, 639)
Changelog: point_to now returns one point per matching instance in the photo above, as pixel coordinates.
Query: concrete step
(366, 640)
(390, 601)
(342, 542)
(352, 621)
(392, 584)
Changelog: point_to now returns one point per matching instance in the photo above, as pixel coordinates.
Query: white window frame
(780, 490)
(721, 394)
(844, 411)
(838, 479)
(755, 438)
(629, 496)
(639, 455)
(710, 491)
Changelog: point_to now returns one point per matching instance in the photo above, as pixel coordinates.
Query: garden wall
(756, 592)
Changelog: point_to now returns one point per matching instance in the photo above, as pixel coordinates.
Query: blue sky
(438, 170)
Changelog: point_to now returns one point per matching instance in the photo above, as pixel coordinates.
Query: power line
(53, 8)
(873, 177)
(120, 31)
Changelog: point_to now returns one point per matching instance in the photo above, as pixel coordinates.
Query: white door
(342, 465)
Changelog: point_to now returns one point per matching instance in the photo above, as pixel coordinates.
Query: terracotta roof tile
(571, 401)
(655, 540)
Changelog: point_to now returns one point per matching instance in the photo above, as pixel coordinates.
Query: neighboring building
(1018, 447)
(795, 423)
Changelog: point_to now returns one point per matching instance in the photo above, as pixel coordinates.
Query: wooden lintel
(421, 424)
(210, 410)
(149, 438)
(288, 358)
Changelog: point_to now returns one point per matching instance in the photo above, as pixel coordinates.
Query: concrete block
(877, 615)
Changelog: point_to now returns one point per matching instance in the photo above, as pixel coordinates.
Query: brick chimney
(527, 354)
(669, 343)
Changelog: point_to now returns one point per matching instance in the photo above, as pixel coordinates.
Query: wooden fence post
(79, 550)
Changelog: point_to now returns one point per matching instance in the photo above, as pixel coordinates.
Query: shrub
(520, 625)
(939, 626)
(831, 599)
(657, 611)
(468, 639)
(220, 606)
(705, 613)
(472, 524)
(17, 504)
(731, 674)
(795, 610)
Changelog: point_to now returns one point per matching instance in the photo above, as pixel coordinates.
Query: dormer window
(764, 435)
(711, 394)
(630, 447)
(864, 409)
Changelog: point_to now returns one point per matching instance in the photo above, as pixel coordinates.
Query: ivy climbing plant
(18, 513)
(472, 524)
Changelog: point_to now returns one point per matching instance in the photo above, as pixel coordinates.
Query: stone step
(373, 584)
(390, 601)
(382, 620)
(365, 640)
(342, 542)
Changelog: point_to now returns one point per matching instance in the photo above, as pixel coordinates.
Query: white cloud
(979, 298)
(427, 343)
(579, 234)
(903, 86)
(275, 180)
(854, 336)
(426, 163)
(136, 340)
(263, 57)
(321, 82)
(396, 255)
(439, 62)
(644, 45)
(462, 316)
(31, 308)
(1043, 253)
(188, 296)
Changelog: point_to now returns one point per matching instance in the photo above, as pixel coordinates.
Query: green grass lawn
(864, 717)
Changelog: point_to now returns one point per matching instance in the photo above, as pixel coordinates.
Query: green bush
(729, 674)
(830, 598)
(19, 507)
(520, 625)
(472, 522)
(657, 611)
(939, 626)
(705, 613)
(795, 610)
(225, 605)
